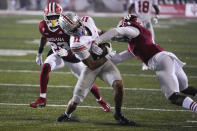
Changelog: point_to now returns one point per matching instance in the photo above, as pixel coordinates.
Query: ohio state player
(62, 55)
(168, 68)
(143, 9)
(83, 34)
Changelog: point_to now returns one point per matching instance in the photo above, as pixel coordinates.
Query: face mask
(80, 32)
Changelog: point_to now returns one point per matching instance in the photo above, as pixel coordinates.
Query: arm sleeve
(130, 32)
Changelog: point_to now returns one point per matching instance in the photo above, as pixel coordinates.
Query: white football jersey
(83, 44)
(143, 8)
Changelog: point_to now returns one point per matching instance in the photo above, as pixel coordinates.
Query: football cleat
(39, 102)
(123, 120)
(63, 118)
(104, 105)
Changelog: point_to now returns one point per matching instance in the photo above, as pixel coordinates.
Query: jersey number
(143, 6)
(85, 18)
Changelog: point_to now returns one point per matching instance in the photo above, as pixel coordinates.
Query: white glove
(39, 60)
(62, 52)
(110, 51)
(155, 19)
(96, 50)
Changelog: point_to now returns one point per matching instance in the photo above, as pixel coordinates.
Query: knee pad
(177, 98)
(77, 99)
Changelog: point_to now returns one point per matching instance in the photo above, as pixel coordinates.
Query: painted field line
(132, 75)
(121, 64)
(96, 107)
(67, 86)
(189, 121)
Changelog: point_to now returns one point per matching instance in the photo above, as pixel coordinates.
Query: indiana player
(83, 45)
(62, 55)
(168, 68)
(143, 9)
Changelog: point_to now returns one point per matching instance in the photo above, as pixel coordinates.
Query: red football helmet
(128, 20)
(52, 13)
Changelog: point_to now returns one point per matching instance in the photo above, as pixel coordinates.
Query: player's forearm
(42, 45)
(107, 35)
(156, 9)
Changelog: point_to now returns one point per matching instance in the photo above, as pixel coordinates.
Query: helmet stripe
(49, 7)
(68, 20)
(53, 7)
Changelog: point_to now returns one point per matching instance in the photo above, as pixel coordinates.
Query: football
(103, 47)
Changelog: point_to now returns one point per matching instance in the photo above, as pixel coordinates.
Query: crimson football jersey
(57, 40)
(142, 46)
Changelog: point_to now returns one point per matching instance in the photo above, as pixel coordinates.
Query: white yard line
(67, 86)
(132, 75)
(121, 64)
(126, 108)
(189, 121)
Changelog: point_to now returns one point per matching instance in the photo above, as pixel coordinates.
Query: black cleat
(63, 118)
(123, 121)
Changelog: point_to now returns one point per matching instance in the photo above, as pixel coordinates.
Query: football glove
(155, 19)
(62, 52)
(39, 60)
(110, 51)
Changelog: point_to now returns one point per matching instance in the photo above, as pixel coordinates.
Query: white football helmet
(70, 22)
(52, 13)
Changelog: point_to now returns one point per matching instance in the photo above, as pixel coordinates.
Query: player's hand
(62, 52)
(155, 19)
(110, 51)
(39, 60)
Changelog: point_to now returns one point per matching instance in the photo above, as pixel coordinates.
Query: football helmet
(128, 20)
(52, 13)
(70, 23)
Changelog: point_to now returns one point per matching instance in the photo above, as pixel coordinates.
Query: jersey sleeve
(128, 31)
(79, 49)
(42, 28)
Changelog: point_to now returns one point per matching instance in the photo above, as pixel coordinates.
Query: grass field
(143, 102)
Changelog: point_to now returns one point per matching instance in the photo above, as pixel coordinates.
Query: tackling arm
(130, 32)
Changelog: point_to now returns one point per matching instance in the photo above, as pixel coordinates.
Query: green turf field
(143, 102)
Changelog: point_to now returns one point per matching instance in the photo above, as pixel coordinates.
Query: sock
(188, 103)
(69, 115)
(44, 77)
(118, 110)
(94, 90)
(43, 95)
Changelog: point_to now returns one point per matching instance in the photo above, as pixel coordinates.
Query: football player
(143, 9)
(168, 68)
(82, 42)
(62, 55)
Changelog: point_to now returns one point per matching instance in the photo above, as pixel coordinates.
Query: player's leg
(111, 75)
(76, 68)
(52, 62)
(81, 90)
(169, 84)
(183, 82)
